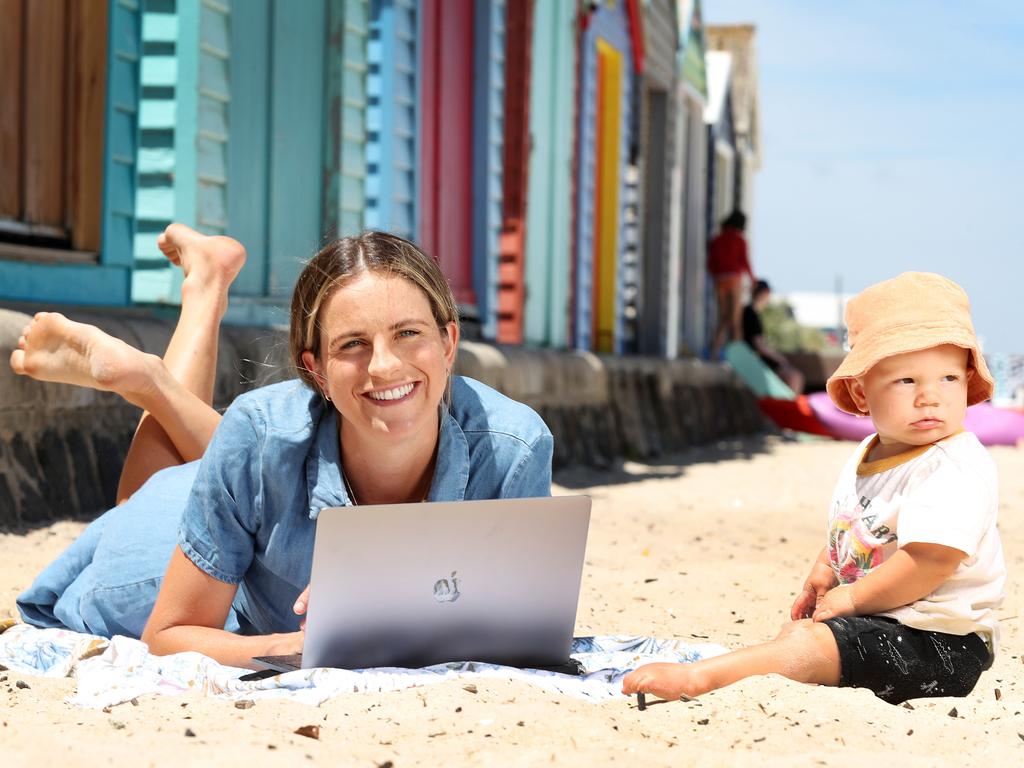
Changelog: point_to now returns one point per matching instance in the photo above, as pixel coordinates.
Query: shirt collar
(326, 487)
(324, 484)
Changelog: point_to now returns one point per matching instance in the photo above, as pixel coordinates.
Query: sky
(892, 141)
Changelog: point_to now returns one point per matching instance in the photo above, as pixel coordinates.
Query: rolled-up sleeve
(223, 511)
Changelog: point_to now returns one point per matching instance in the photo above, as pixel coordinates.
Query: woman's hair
(344, 259)
(737, 220)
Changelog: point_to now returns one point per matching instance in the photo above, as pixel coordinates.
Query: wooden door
(52, 98)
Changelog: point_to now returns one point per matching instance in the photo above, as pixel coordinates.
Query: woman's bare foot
(667, 681)
(208, 261)
(53, 348)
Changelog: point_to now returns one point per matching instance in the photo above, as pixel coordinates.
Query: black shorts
(899, 663)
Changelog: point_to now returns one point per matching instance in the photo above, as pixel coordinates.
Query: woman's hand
(285, 643)
(301, 604)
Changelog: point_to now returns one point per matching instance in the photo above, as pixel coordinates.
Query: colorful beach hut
(252, 122)
(511, 295)
(392, 120)
(657, 161)
(609, 55)
(549, 210)
(460, 148)
(689, 304)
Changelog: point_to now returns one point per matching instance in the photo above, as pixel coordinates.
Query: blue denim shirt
(274, 463)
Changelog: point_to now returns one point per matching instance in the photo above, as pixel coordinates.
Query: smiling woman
(213, 555)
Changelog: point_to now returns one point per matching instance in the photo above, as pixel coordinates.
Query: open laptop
(411, 585)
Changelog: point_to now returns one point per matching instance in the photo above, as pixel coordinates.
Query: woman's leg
(736, 310)
(210, 265)
(176, 392)
(723, 328)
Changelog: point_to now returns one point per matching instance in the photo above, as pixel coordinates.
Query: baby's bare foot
(667, 681)
(211, 261)
(53, 348)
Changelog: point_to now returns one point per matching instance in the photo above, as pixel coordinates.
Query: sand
(710, 546)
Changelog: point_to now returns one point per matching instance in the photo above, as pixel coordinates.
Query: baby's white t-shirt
(946, 493)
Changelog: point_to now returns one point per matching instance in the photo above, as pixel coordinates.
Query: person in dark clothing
(753, 335)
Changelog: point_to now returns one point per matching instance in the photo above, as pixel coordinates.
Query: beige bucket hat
(914, 311)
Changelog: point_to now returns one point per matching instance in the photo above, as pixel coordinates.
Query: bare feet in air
(53, 348)
(667, 681)
(210, 262)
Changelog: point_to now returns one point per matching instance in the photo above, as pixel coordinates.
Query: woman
(375, 418)
(728, 262)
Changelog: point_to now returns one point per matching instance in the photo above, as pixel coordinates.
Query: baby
(902, 598)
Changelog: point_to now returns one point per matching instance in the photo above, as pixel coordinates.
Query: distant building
(738, 41)
(821, 310)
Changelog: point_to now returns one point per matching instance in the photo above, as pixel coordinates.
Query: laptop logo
(445, 592)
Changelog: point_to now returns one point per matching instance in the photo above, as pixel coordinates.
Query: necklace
(352, 494)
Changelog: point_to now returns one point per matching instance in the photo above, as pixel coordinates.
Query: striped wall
(345, 137)
(549, 199)
(183, 133)
(488, 143)
(391, 118)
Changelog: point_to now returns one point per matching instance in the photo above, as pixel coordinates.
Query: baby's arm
(913, 572)
(819, 581)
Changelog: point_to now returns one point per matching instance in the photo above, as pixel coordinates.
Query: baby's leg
(181, 422)
(804, 651)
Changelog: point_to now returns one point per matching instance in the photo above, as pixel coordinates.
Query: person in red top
(727, 264)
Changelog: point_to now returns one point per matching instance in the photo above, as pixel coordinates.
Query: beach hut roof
(719, 71)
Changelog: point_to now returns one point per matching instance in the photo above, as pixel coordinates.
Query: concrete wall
(62, 447)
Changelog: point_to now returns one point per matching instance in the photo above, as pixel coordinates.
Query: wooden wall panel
(45, 115)
(87, 95)
(13, 14)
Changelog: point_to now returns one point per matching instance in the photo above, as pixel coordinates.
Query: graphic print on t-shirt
(856, 538)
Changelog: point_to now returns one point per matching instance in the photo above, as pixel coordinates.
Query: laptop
(412, 585)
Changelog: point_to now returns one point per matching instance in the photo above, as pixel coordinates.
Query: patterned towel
(111, 672)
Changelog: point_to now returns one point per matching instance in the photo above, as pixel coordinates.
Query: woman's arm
(189, 615)
(913, 572)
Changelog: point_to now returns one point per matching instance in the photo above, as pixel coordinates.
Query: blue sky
(892, 141)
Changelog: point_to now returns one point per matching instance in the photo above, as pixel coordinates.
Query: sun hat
(911, 312)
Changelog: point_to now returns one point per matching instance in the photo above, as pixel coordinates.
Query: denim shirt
(275, 462)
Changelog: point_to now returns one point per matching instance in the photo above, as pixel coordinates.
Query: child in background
(902, 598)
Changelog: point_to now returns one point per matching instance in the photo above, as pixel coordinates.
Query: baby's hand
(836, 602)
(819, 582)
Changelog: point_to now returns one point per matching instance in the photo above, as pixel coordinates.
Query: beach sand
(711, 547)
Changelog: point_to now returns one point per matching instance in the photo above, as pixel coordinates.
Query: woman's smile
(395, 395)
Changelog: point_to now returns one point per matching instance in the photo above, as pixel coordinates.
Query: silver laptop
(410, 585)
